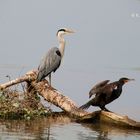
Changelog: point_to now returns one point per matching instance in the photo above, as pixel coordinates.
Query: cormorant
(105, 93)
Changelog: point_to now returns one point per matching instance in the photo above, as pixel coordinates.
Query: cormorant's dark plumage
(105, 93)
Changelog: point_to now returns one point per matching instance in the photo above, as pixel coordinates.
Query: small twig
(9, 77)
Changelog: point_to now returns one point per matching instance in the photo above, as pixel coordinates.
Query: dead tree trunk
(58, 99)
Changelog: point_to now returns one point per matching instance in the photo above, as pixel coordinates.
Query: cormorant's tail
(85, 106)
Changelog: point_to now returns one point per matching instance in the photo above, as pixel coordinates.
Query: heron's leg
(50, 79)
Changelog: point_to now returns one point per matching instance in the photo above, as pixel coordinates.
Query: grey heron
(52, 60)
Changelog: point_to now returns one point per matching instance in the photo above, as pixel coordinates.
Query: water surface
(61, 128)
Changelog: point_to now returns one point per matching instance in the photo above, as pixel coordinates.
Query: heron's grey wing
(54, 60)
(49, 63)
(41, 70)
(96, 89)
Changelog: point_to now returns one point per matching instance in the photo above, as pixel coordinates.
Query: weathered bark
(55, 97)
(29, 77)
(110, 118)
(58, 99)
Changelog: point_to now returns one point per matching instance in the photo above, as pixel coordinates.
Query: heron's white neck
(61, 44)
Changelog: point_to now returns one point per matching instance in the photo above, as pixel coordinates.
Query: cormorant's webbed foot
(105, 109)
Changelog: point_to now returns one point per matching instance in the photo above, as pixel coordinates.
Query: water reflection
(108, 132)
(38, 129)
(98, 133)
(60, 128)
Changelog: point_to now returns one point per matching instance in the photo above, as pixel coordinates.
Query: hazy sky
(106, 42)
(106, 32)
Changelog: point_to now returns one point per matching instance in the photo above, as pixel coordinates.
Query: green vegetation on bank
(17, 105)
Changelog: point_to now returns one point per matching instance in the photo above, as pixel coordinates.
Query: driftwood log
(53, 96)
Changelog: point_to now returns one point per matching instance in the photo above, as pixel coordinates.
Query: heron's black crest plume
(63, 30)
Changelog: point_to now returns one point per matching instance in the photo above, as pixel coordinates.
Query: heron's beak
(70, 31)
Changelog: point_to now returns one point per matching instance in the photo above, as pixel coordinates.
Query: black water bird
(105, 93)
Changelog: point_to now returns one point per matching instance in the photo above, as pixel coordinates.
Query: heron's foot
(52, 88)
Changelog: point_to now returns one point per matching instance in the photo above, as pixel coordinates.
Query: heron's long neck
(61, 44)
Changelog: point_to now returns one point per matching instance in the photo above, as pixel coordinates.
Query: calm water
(61, 129)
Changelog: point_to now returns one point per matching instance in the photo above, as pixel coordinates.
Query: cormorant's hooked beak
(90, 94)
(128, 80)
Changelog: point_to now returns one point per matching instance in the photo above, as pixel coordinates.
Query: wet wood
(52, 95)
(110, 118)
